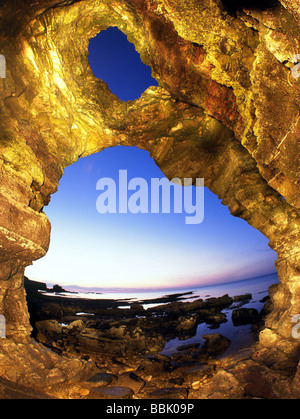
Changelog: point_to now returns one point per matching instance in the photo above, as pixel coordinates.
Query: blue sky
(139, 250)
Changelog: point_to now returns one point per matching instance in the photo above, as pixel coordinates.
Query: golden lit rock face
(227, 109)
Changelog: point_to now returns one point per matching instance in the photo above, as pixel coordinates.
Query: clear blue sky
(144, 250)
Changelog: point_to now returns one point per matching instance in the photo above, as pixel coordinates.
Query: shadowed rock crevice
(226, 109)
(233, 6)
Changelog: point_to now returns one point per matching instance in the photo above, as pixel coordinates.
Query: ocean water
(253, 285)
(240, 336)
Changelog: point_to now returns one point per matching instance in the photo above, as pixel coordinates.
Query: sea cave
(223, 106)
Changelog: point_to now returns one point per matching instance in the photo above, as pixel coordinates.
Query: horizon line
(119, 289)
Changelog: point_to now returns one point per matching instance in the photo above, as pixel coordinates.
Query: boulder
(244, 316)
(48, 331)
(102, 379)
(131, 380)
(215, 344)
(198, 372)
(219, 302)
(223, 385)
(243, 297)
(154, 365)
(76, 325)
(187, 323)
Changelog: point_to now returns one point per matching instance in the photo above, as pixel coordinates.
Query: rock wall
(227, 109)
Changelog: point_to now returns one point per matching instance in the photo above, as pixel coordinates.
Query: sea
(241, 336)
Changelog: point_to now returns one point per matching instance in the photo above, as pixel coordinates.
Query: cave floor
(254, 373)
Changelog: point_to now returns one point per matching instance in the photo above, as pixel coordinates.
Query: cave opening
(120, 270)
(76, 222)
(114, 60)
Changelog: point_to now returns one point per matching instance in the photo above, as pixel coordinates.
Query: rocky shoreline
(102, 327)
(126, 344)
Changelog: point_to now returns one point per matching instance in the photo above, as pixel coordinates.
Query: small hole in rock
(115, 60)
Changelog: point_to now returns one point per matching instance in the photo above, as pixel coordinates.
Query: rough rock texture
(227, 109)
